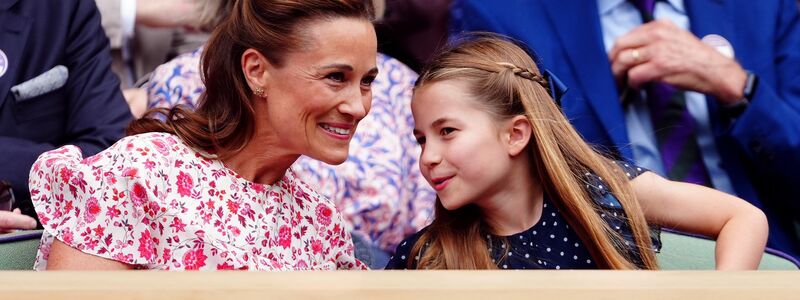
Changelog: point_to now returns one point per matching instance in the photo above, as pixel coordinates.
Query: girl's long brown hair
(224, 120)
(507, 82)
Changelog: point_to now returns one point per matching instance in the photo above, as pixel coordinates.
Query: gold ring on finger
(636, 55)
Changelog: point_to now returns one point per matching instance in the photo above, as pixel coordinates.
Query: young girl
(519, 189)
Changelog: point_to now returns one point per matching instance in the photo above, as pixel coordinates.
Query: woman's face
(315, 100)
(464, 156)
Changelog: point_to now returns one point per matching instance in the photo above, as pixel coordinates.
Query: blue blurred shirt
(617, 18)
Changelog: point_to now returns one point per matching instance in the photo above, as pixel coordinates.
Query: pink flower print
(65, 174)
(233, 206)
(235, 230)
(301, 265)
(284, 236)
(167, 255)
(185, 184)
(138, 194)
(123, 257)
(324, 214)
(316, 246)
(146, 245)
(130, 172)
(152, 208)
(99, 231)
(91, 159)
(67, 236)
(258, 188)
(160, 147)
(178, 225)
(225, 266)
(92, 210)
(194, 259)
(113, 212)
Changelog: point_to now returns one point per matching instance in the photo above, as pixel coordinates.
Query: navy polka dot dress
(550, 243)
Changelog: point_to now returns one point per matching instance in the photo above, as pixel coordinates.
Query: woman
(211, 189)
(379, 190)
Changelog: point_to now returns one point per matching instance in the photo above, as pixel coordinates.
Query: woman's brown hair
(224, 120)
(506, 81)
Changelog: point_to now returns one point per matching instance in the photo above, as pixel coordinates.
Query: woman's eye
(337, 76)
(367, 81)
(447, 130)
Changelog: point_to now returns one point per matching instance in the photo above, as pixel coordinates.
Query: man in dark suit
(733, 70)
(56, 86)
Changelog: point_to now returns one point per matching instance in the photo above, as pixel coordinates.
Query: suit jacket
(760, 150)
(88, 110)
(150, 47)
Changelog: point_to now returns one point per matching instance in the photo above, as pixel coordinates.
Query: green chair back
(18, 249)
(685, 252)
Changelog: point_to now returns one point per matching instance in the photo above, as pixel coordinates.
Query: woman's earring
(259, 92)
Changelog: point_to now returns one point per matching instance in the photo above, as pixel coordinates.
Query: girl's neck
(261, 160)
(518, 206)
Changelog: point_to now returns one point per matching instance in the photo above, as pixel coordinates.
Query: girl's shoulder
(403, 251)
(612, 211)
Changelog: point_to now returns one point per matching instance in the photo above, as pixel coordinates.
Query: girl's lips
(441, 182)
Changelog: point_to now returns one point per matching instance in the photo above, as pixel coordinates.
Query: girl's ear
(519, 134)
(256, 67)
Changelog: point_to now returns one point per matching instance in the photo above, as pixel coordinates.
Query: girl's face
(465, 154)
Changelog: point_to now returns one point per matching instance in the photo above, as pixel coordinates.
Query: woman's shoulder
(157, 148)
(303, 191)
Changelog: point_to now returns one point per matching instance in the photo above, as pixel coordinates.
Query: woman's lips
(338, 131)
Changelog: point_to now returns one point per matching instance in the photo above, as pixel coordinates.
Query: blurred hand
(660, 51)
(137, 101)
(169, 13)
(10, 221)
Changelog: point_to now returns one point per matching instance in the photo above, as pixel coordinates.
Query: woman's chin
(332, 158)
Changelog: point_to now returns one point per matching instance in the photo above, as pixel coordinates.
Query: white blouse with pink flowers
(153, 202)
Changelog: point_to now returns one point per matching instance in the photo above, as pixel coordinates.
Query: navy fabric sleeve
(613, 213)
(399, 261)
(768, 132)
(88, 111)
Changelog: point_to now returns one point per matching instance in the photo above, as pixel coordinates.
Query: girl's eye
(420, 140)
(447, 130)
(336, 76)
(367, 81)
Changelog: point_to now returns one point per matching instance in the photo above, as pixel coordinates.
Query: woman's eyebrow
(338, 66)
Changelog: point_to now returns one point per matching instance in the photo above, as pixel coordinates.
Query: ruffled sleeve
(105, 205)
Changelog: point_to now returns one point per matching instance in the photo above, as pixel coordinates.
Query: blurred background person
(56, 88)
(697, 91)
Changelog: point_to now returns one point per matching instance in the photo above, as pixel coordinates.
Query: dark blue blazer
(88, 111)
(760, 150)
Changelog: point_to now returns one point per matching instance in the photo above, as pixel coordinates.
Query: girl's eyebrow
(435, 124)
(439, 121)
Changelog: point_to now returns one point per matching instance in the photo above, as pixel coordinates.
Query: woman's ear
(255, 67)
(519, 134)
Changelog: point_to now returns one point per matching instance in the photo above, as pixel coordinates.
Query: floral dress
(379, 189)
(153, 202)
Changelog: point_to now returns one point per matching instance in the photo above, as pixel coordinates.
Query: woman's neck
(261, 160)
(518, 206)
